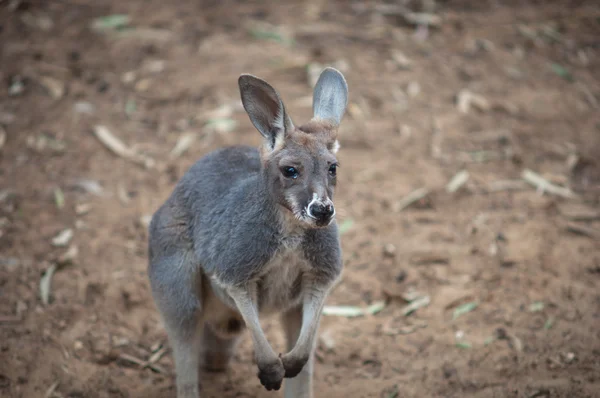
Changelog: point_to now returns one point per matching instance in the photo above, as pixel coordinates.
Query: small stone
(120, 341)
(84, 107)
(78, 345)
(155, 66)
(83, 209)
(569, 357)
(145, 220)
(401, 60)
(128, 77)
(17, 86)
(413, 89)
(389, 250)
(401, 277)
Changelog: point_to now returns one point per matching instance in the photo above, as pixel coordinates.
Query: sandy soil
(527, 260)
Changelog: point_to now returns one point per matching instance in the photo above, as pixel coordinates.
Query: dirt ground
(492, 88)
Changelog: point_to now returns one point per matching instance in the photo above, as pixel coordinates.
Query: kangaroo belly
(278, 289)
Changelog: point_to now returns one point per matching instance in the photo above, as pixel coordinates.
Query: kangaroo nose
(321, 212)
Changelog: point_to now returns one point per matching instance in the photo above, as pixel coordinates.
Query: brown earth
(529, 259)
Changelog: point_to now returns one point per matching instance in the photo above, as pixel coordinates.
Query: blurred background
(468, 194)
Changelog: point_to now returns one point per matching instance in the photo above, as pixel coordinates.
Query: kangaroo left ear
(265, 108)
(330, 96)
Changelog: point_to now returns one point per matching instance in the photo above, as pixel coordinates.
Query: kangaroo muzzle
(322, 211)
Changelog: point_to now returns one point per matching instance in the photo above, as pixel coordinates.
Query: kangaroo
(249, 232)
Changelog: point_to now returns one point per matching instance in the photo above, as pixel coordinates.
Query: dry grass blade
(457, 181)
(110, 22)
(436, 139)
(427, 258)
(536, 306)
(141, 363)
(465, 99)
(45, 284)
(464, 309)
(422, 18)
(59, 198)
(51, 390)
(115, 145)
(349, 311)
(184, 142)
(415, 305)
(583, 230)
(411, 198)
(401, 60)
(580, 213)
(146, 34)
(90, 186)
(63, 238)
(2, 137)
(157, 355)
(392, 331)
(463, 344)
(507, 185)
(54, 87)
(543, 185)
(414, 18)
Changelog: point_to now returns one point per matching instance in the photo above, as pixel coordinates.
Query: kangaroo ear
(265, 108)
(330, 96)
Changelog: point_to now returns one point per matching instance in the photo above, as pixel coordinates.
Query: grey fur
(264, 106)
(230, 244)
(330, 96)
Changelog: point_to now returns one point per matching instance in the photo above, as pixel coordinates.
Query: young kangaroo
(249, 232)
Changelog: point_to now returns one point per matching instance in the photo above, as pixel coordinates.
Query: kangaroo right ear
(330, 96)
(265, 108)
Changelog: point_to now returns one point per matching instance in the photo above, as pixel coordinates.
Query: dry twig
(544, 185)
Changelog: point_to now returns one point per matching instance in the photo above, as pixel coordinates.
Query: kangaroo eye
(333, 170)
(290, 172)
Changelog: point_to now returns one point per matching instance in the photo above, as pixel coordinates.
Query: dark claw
(293, 366)
(271, 376)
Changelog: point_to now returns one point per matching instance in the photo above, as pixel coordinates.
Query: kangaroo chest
(279, 285)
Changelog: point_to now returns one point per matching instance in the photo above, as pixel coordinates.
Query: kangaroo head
(299, 163)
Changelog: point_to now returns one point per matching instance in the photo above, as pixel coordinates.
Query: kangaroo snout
(321, 211)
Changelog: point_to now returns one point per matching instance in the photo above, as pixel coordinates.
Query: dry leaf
(63, 238)
(115, 145)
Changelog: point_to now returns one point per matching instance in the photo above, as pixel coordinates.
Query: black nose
(321, 212)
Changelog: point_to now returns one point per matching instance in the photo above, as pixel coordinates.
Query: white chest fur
(279, 285)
